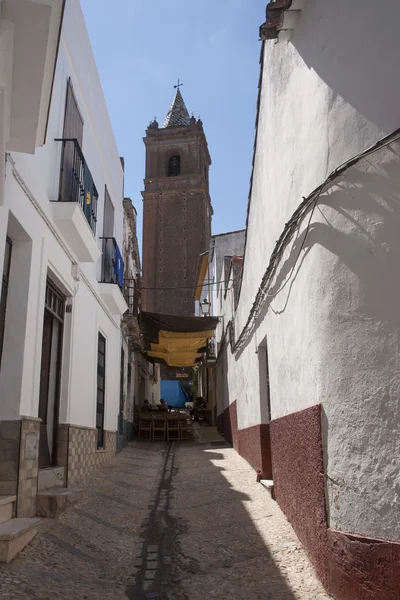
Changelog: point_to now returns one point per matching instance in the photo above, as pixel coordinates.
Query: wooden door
(101, 389)
(121, 394)
(49, 391)
(44, 452)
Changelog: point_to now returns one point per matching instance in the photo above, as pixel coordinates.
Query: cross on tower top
(179, 84)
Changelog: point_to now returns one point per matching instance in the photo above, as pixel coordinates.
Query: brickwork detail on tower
(176, 211)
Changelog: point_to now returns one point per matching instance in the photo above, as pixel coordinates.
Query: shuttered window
(73, 129)
(73, 122)
(108, 222)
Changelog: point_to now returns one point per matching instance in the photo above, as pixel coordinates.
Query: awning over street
(174, 340)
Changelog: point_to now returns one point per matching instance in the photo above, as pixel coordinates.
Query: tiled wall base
(19, 455)
(79, 454)
(10, 435)
(28, 467)
(19, 458)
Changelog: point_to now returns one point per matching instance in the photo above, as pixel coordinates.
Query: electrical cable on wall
(291, 226)
(182, 287)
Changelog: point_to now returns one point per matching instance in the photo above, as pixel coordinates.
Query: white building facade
(218, 281)
(313, 365)
(61, 227)
(142, 378)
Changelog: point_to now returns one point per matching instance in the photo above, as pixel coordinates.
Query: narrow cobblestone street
(172, 522)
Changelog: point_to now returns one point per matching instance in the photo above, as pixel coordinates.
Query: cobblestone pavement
(169, 522)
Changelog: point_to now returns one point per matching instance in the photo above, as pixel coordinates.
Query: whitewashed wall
(31, 183)
(222, 305)
(333, 332)
(152, 385)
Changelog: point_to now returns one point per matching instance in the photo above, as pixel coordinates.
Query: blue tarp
(173, 393)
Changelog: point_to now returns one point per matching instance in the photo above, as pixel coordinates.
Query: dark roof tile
(178, 113)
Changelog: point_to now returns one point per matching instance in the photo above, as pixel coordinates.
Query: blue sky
(143, 46)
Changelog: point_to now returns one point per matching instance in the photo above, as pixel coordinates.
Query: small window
(174, 166)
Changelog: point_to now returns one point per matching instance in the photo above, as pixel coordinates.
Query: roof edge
(215, 235)
(281, 19)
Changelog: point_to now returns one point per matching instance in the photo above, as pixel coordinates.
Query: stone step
(51, 503)
(268, 484)
(7, 508)
(51, 477)
(15, 534)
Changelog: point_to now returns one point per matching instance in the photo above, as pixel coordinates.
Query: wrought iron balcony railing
(76, 181)
(112, 265)
(131, 295)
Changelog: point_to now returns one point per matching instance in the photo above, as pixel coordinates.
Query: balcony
(131, 295)
(112, 277)
(211, 355)
(75, 210)
(130, 323)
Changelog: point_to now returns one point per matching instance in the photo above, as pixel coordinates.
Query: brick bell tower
(176, 211)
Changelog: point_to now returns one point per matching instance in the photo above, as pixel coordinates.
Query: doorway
(4, 291)
(265, 411)
(50, 372)
(101, 389)
(267, 385)
(142, 390)
(121, 394)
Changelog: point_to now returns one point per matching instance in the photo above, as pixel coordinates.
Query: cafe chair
(173, 429)
(186, 429)
(145, 427)
(159, 429)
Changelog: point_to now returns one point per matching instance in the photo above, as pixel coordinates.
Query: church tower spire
(178, 113)
(176, 210)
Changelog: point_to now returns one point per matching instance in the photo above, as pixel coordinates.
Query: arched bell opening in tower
(174, 166)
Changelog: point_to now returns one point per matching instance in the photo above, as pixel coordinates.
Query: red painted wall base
(351, 567)
(227, 424)
(255, 446)
(253, 443)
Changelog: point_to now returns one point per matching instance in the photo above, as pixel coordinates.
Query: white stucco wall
(333, 331)
(225, 244)
(26, 215)
(222, 305)
(151, 387)
(227, 383)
